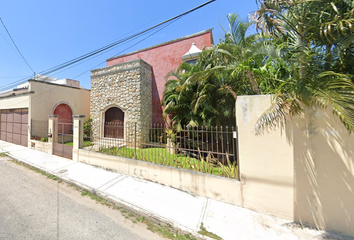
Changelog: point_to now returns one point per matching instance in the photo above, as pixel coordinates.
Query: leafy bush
(88, 129)
(230, 170)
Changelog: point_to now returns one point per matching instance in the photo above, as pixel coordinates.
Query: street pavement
(178, 208)
(34, 207)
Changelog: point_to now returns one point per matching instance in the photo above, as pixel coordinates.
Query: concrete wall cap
(121, 69)
(17, 95)
(78, 116)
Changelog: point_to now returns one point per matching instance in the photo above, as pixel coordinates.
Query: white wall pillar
(52, 131)
(78, 137)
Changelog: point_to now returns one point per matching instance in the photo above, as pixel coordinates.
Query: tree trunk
(254, 84)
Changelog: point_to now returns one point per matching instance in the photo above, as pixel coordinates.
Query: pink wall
(164, 59)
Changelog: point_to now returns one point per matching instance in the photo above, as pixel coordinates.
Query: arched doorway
(64, 131)
(114, 123)
(65, 113)
(65, 118)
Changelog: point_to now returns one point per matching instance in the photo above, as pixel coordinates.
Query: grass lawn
(86, 143)
(163, 157)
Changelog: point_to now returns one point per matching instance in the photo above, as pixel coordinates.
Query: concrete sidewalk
(169, 205)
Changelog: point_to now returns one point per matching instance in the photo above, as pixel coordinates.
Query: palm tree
(205, 94)
(176, 99)
(316, 39)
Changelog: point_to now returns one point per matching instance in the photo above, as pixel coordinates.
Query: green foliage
(316, 42)
(206, 165)
(3, 154)
(167, 231)
(170, 133)
(86, 143)
(230, 170)
(45, 139)
(48, 175)
(205, 232)
(177, 96)
(303, 55)
(161, 156)
(204, 94)
(88, 129)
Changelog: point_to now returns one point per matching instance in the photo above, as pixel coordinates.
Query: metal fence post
(135, 140)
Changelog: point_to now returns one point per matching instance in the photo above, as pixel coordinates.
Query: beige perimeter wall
(223, 189)
(266, 162)
(303, 171)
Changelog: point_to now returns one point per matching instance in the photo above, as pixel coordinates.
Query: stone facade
(127, 86)
(164, 58)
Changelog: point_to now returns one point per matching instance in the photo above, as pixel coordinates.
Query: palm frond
(336, 90)
(282, 106)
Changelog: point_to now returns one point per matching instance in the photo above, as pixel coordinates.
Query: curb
(139, 212)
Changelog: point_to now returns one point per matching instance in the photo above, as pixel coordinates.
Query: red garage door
(14, 126)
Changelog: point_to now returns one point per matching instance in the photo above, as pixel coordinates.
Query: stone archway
(114, 123)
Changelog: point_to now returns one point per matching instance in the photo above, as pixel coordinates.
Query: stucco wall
(324, 170)
(303, 171)
(46, 96)
(163, 59)
(15, 102)
(266, 162)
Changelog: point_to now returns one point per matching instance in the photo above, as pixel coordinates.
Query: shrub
(88, 129)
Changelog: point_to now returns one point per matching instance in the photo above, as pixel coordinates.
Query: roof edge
(165, 43)
(59, 85)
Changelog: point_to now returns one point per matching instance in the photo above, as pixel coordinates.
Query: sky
(49, 33)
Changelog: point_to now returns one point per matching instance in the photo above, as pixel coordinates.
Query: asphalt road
(32, 205)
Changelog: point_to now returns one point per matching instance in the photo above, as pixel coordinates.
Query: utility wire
(102, 49)
(161, 27)
(9, 43)
(14, 83)
(16, 45)
(147, 23)
(129, 47)
(23, 80)
(13, 77)
(73, 61)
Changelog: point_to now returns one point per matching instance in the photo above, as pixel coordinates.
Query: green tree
(205, 94)
(177, 99)
(316, 41)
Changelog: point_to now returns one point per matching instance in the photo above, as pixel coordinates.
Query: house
(24, 110)
(130, 88)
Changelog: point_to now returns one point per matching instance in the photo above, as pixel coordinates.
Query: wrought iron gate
(63, 146)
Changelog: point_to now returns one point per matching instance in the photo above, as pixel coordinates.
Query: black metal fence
(210, 150)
